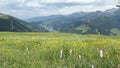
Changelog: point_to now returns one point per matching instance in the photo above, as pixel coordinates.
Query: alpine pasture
(58, 50)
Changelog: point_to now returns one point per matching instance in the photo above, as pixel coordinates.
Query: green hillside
(99, 25)
(9, 23)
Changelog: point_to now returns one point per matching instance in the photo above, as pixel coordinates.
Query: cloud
(34, 4)
(82, 1)
(70, 4)
(30, 8)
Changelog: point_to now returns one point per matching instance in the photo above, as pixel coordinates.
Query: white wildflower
(70, 51)
(101, 53)
(92, 66)
(61, 53)
(79, 56)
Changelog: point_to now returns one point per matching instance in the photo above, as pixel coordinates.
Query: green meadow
(58, 50)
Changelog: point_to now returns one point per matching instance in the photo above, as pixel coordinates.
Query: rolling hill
(9, 23)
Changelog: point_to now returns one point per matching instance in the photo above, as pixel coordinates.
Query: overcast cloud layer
(30, 8)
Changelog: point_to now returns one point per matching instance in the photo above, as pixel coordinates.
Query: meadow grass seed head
(101, 53)
(97, 48)
(26, 48)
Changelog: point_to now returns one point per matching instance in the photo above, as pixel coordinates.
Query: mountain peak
(4, 16)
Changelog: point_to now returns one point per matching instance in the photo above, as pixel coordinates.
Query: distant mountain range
(106, 23)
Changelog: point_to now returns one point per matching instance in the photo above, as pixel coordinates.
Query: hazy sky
(30, 8)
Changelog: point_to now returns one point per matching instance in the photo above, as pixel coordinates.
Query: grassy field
(58, 50)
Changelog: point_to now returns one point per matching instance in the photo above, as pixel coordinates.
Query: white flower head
(92, 66)
(61, 51)
(80, 57)
(70, 51)
(101, 53)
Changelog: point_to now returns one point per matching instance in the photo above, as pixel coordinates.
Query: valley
(59, 34)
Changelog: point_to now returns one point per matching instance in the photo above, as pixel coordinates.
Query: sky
(24, 9)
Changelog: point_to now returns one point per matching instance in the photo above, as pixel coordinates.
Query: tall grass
(58, 50)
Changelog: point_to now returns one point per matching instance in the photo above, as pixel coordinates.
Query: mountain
(9, 23)
(106, 23)
(42, 18)
(45, 22)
